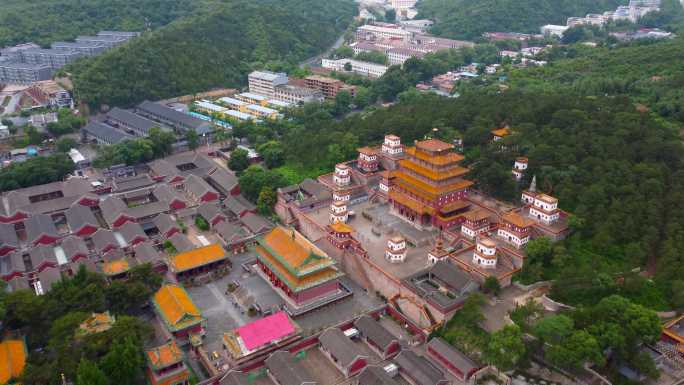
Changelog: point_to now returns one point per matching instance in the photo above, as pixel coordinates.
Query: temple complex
(428, 187)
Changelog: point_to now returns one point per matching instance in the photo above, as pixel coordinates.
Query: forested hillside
(468, 19)
(215, 48)
(45, 21)
(651, 73)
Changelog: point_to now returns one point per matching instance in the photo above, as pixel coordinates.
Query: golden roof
(294, 251)
(476, 215)
(411, 203)
(487, 242)
(341, 227)
(116, 267)
(517, 220)
(438, 160)
(427, 190)
(197, 257)
(546, 198)
(668, 329)
(294, 282)
(176, 307)
(434, 145)
(97, 323)
(164, 356)
(436, 175)
(501, 132)
(12, 359)
(367, 151)
(453, 206)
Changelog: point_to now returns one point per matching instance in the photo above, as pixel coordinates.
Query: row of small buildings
(119, 125)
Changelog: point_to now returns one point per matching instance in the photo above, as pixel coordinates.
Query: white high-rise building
(265, 82)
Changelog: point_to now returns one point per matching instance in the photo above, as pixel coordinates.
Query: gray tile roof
(147, 210)
(78, 216)
(181, 242)
(12, 263)
(451, 354)
(232, 233)
(8, 236)
(452, 276)
(256, 223)
(375, 375)
(223, 180)
(38, 225)
(21, 198)
(198, 186)
(103, 238)
(235, 378)
(287, 370)
(105, 132)
(163, 167)
(129, 119)
(41, 254)
(19, 283)
(132, 183)
(209, 211)
(145, 252)
(74, 246)
(238, 205)
(48, 278)
(112, 207)
(177, 118)
(87, 263)
(419, 368)
(130, 231)
(166, 193)
(164, 223)
(371, 329)
(340, 346)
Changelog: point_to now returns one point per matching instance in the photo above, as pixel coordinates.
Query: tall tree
(90, 374)
(238, 161)
(505, 348)
(123, 364)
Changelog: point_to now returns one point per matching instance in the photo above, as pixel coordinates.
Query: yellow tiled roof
(115, 267)
(164, 355)
(197, 257)
(428, 190)
(12, 359)
(439, 160)
(294, 282)
(454, 171)
(96, 323)
(501, 132)
(340, 227)
(294, 249)
(176, 307)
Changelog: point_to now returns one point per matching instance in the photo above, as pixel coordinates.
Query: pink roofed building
(268, 333)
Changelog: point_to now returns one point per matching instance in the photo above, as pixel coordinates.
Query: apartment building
(14, 53)
(376, 32)
(397, 56)
(297, 95)
(23, 73)
(372, 70)
(86, 48)
(402, 4)
(328, 86)
(55, 58)
(265, 82)
(108, 41)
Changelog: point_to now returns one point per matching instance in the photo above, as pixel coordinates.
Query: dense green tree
(390, 15)
(65, 144)
(572, 352)
(267, 199)
(123, 364)
(553, 329)
(343, 101)
(491, 285)
(201, 223)
(343, 52)
(373, 57)
(192, 138)
(90, 374)
(162, 141)
(273, 154)
(255, 179)
(238, 161)
(505, 348)
(241, 35)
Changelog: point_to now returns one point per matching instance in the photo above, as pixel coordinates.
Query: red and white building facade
(396, 249)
